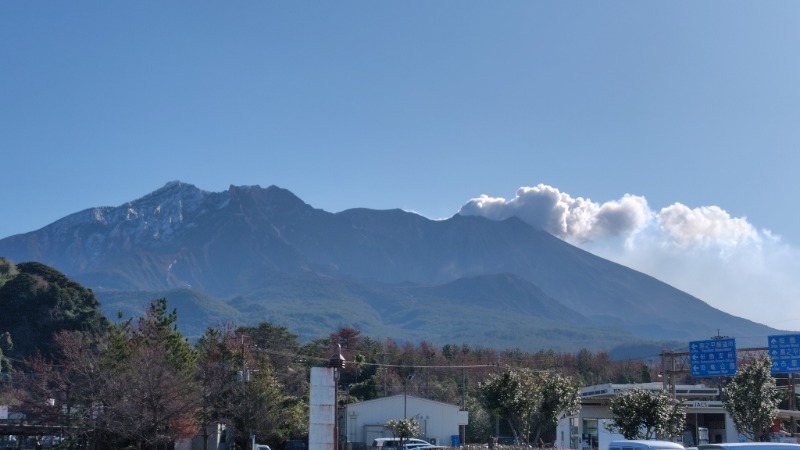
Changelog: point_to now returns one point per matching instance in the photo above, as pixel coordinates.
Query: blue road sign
(713, 358)
(785, 353)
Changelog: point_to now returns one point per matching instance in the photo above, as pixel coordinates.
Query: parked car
(750, 446)
(421, 446)
(387, 443)
(644, 444)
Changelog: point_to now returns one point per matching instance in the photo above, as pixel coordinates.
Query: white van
(750, 446)
(645, 444)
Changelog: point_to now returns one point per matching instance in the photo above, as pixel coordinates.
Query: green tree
(242, 376)
(150, 395)
(643, 414)
(530, 400)
(752, 397)
(513, 395)
(5, 349)
(559, 395)
(481, 422)
(160, 327)
(280, 346)
(267, 410)
(7, 270)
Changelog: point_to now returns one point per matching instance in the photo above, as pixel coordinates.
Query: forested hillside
(75, 357)
(36, 301)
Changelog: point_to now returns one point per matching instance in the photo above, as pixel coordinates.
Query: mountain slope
(271, 256)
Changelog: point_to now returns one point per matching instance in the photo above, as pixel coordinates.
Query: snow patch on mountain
(161, 214)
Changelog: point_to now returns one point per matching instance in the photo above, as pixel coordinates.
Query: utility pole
(385, 372)
(336, 362)
(668, 371)
(792, 403)
(244, 378)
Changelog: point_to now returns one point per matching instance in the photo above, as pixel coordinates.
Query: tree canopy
(527, 398)
(752, 397)
(37, 301)
(643, 414)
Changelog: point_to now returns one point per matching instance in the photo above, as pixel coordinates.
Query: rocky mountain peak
(272, 198)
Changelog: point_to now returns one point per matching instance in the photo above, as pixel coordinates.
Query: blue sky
(681, 118)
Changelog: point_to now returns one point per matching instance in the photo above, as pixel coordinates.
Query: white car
(420, 446)
(393, 443)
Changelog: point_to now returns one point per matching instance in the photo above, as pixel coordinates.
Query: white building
(439, 422)
(706, 419)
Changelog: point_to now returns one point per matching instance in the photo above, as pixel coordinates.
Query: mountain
(253, 254)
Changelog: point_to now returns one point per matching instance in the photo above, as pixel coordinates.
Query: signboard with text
(713, 358)
(784, 350)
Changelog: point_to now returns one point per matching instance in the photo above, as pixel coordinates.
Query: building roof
(683, 391)
(403, 397)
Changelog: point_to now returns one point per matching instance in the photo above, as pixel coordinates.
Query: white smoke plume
(723, 260)
(573, 219)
